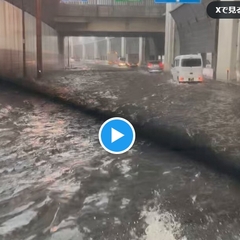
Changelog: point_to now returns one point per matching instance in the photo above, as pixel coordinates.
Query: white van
(188, 68)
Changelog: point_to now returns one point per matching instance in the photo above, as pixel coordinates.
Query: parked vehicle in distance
(112, 58)
(132, 59)
(187, 68)
(155, 66)
(122, 62)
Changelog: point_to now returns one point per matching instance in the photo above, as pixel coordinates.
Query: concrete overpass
(123, 22)
(145, 19)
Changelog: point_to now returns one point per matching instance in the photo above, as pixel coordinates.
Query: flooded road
(57, 183)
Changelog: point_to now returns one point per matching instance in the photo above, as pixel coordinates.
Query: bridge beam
(108, 11)
(110, 26)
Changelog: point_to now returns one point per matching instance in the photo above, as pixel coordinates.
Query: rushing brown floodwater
(57, 183)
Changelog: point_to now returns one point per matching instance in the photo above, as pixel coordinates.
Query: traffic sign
(117, 135)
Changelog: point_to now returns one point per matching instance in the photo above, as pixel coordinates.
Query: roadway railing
(112, 2)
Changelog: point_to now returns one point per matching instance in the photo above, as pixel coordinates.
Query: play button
(117, 135)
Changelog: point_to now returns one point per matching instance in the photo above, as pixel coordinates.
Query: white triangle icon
(115, 135)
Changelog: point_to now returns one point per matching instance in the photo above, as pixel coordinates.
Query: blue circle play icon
(117, 135)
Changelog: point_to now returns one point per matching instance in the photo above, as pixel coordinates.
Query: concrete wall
(154, 48)
(49, 8)
(228, 47)
(132, 45)
(89, 51)
(31, 56)
(116, 45)
(102, 49)
(194, 27)
(11, 43)
(50, 48)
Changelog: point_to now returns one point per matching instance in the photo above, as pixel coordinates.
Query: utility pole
(24, 40)
(39, 36)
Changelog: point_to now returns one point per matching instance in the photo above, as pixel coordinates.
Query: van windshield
(194, 62)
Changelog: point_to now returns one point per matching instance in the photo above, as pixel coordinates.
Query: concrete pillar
(147, 50)
(204, 58)
(108, 45)
(61, 51)
(83, 51)
(140, 50)
(95, 50)
(71, 47)
(227, 49)
(123, 47)
(169, 38)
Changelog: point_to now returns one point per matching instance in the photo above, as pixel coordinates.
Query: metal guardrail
(113, 2)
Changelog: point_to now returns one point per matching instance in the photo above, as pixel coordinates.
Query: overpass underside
(111, 27)
(130, 28)
(98, 20)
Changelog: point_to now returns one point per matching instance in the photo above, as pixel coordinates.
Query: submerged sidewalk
(200, 120)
